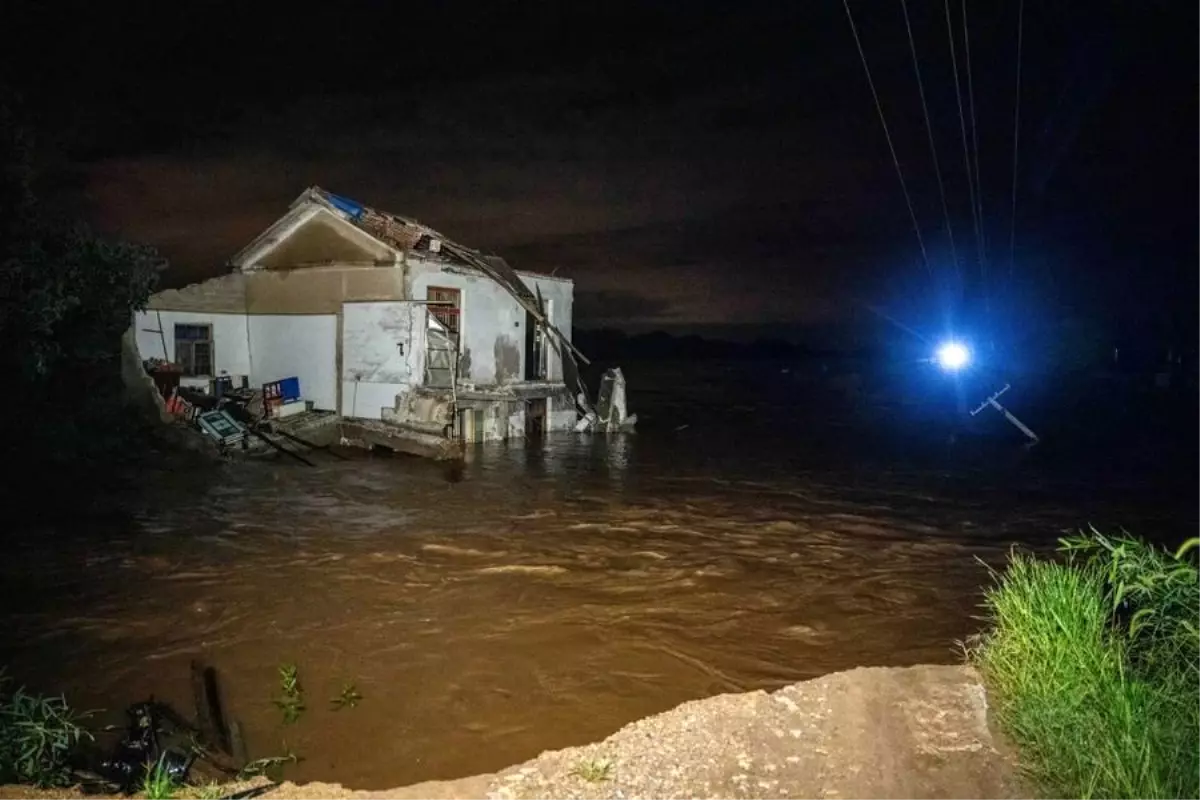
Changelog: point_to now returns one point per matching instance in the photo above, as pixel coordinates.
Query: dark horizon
(715, 170)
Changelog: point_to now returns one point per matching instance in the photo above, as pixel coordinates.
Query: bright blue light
(953, 356)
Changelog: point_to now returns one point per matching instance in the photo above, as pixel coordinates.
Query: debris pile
(610, 414)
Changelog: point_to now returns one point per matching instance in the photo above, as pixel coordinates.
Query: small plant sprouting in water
(349, 698)
(158, 783)
(263, 766)
(594, 770)
(289, 680)
(291, 701)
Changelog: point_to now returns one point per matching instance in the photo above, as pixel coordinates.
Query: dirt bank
(914, 732)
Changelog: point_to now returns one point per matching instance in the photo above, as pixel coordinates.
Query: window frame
(445, 309)
(188, 344)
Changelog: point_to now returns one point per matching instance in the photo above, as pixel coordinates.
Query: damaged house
(382, 320)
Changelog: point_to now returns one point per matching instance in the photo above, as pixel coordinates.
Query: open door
(537, 346)
(443, 332)
(441, 354)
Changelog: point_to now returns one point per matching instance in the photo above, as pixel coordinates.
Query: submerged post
(1011, 417)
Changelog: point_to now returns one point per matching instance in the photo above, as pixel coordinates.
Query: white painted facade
(155, 334)
(378, 345)
(493, 324)
(378, 355)
(296, 345)
(261, 347)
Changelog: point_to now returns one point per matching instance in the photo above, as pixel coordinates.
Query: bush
(37, 737)
(66, 297)
(1093, 664)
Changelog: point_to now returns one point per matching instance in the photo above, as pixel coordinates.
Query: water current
(550, 592)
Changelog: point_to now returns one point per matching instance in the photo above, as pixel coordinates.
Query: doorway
(535, 418)
(536, 347)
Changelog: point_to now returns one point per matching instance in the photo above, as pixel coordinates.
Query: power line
(912, 47)
(962, 124)
(1012, 231)
(975, 150)
(887, 135)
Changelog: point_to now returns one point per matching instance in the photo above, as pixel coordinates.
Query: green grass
(38, 736)
(1094, 666)
(594, 770)
(158, 783)
(207, 791)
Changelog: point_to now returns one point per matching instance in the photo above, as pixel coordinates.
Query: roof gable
(310, 234)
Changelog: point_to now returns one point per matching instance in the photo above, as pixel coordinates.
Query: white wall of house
(493, 323)
(383, 345)
(378, 358)
(561, 415)
(231, 343)
(296, 345)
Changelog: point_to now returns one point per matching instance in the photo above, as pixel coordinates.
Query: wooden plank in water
(209, 717)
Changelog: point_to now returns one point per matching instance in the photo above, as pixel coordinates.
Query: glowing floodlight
(953, 356)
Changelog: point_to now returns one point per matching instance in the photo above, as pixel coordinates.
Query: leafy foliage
(66, 297)
(348, 698)
(1156, 597)
(291, 699)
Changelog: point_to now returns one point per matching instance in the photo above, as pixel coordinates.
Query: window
(445, 305)
(194, 349)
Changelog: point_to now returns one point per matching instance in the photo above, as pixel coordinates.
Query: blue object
(345, 204)
(289, 390)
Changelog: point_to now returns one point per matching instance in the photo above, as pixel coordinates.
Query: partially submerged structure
(385, 322)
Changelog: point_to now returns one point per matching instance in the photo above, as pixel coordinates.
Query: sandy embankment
(879, 732)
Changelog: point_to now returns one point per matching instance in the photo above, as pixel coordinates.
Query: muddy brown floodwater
(544, 597)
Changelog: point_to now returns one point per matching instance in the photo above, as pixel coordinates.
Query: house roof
(396, 231)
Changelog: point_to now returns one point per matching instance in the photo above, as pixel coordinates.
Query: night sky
(690, 165)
